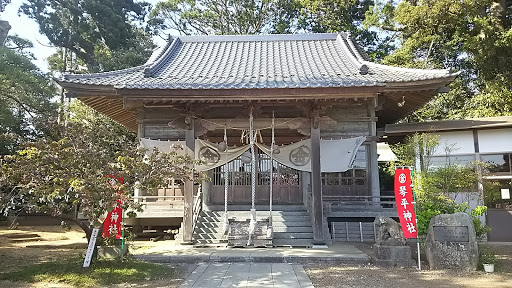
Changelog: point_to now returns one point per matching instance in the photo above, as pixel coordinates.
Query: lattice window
(357, 176)
(240, 173)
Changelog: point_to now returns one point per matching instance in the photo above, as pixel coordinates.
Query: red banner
(112, 224)
(404, 205)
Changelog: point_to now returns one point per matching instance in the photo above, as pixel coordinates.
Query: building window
(497, 163)
(444, 161)
(354, 180)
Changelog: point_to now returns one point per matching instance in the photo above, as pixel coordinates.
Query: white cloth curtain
(335, 155)
(211, 157)
(206, 151)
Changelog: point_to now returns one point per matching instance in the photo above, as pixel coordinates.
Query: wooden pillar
(140, 134)
(140, 123)
(188, 194)
(478, 167)
(373, 163)
(316, 183)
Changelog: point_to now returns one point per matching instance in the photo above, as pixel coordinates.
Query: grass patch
(102, 272)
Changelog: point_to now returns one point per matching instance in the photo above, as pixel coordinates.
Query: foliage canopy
(66, 170)
(95, 30)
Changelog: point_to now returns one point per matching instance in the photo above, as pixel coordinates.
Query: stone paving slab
(247, 275)
(338, 253)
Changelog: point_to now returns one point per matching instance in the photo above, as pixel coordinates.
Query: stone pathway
(248, 275)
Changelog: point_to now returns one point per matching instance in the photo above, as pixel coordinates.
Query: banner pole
(122, 236)
(416, 214)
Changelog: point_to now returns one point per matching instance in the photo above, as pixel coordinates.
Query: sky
(28, 28)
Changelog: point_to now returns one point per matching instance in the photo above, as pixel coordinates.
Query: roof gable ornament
(363, 70)
(163, 58)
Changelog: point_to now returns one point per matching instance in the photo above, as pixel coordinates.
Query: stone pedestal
(451, 242)
(390, 248)
(112, 251)
(393, 256)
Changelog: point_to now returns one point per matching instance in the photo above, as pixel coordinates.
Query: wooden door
(286, 185)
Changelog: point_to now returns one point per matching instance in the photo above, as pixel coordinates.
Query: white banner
(211, 157)
(206, 151)
(335, 155)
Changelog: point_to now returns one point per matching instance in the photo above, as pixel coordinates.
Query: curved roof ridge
(69, 76)
(259, 37)
(162, 58)
(356, 48)
(342, 40)
(159, 51)
(415, 70)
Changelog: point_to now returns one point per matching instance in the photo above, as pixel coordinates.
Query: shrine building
(316, 96)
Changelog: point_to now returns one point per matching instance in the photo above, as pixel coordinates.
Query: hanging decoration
(246, 157)
(252, 224)
(270, 230)
(336, 155)
(226, 183)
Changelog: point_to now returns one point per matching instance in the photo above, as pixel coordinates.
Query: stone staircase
(292, 226)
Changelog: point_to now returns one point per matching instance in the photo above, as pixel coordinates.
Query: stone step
(275, 219)
(277, 229)
(293, 235)
(209, 235)
(211, 241)
(292, 224)
(258, 208)
(292, 229)
(293, 242)
(209, 230)
(211, 245)
(258, 213)
(274, 224)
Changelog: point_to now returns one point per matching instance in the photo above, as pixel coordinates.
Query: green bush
(429, 207)
(434, 185)
(486, 255)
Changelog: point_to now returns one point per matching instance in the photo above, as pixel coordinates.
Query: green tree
(435, 186)
(66, 171)
(96, 31)
(472, 36)
(25, 99)
(321, 16)
(207, 17)
(4, 25)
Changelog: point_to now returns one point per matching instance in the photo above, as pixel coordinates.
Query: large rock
(390, 248)
(389, 232)
(451, 242)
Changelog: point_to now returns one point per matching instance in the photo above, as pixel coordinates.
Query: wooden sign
(90, 248)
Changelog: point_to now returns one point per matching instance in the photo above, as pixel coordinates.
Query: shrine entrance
(287, 184)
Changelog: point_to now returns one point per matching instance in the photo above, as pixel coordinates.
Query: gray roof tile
(257, 61)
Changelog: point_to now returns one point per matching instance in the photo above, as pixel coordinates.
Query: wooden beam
(316, 183)
(188, 211)
(373, 165)
(263, 94)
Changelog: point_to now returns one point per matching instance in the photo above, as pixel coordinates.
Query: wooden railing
(340, 203)
(150, 199)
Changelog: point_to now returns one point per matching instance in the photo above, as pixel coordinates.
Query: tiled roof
(257, 61)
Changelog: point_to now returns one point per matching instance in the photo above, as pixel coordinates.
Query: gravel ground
(45, 243)
(369, 276)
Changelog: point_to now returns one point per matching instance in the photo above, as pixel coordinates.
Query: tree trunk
(88, 232)
(4, 30)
